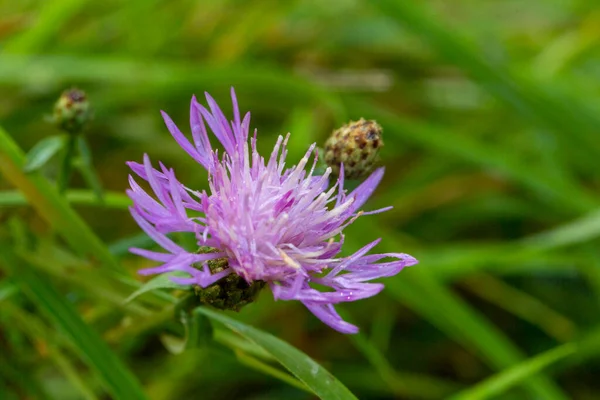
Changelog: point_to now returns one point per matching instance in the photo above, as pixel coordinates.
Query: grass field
(491, 122)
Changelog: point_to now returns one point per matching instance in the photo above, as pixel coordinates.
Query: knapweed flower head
(276, 224)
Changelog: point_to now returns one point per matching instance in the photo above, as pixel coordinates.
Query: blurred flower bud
(355, 144)
(72, 111)
(229, 293)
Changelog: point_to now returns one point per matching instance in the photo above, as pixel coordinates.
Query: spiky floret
(274, 224)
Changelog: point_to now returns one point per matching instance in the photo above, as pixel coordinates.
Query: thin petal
(327, 314)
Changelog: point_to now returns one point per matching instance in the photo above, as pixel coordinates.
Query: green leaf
(117, 379)
(319, 380)
(162, 281)
(499, 383)
(43, 151)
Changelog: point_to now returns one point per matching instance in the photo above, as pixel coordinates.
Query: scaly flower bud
(72, 111)
(355, 144)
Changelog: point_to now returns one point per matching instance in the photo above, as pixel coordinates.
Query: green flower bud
(72, 111)
(229, 293)
(355, 144)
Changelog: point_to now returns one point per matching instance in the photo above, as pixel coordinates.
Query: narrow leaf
(117, 378)
(43, 151)
(162, 281)
(319, 380)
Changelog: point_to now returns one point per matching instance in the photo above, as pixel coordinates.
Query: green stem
(83, 197)
(66, 167)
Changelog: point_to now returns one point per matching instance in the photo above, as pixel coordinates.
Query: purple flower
(279, 225)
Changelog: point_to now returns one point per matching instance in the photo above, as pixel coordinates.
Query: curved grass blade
(567, 115)
(319, 380)
(569, 196)
(115, 200)
(162, 281)
(454, 317)
(512, 376)
(118, 380)
(33, 327)
(458, 320)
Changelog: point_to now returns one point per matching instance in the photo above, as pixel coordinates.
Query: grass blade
(566, 115)
(510, 377)
(435, 139)
(116, 200)
(319, 380)
(116, 377)
(162, 281)
(457, 319)
(36, 330)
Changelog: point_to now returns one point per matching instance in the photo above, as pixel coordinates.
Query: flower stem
(66, 167)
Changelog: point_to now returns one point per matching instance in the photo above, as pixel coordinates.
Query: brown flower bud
(355, 144)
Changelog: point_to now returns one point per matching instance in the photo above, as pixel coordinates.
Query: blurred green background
(491, 121)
